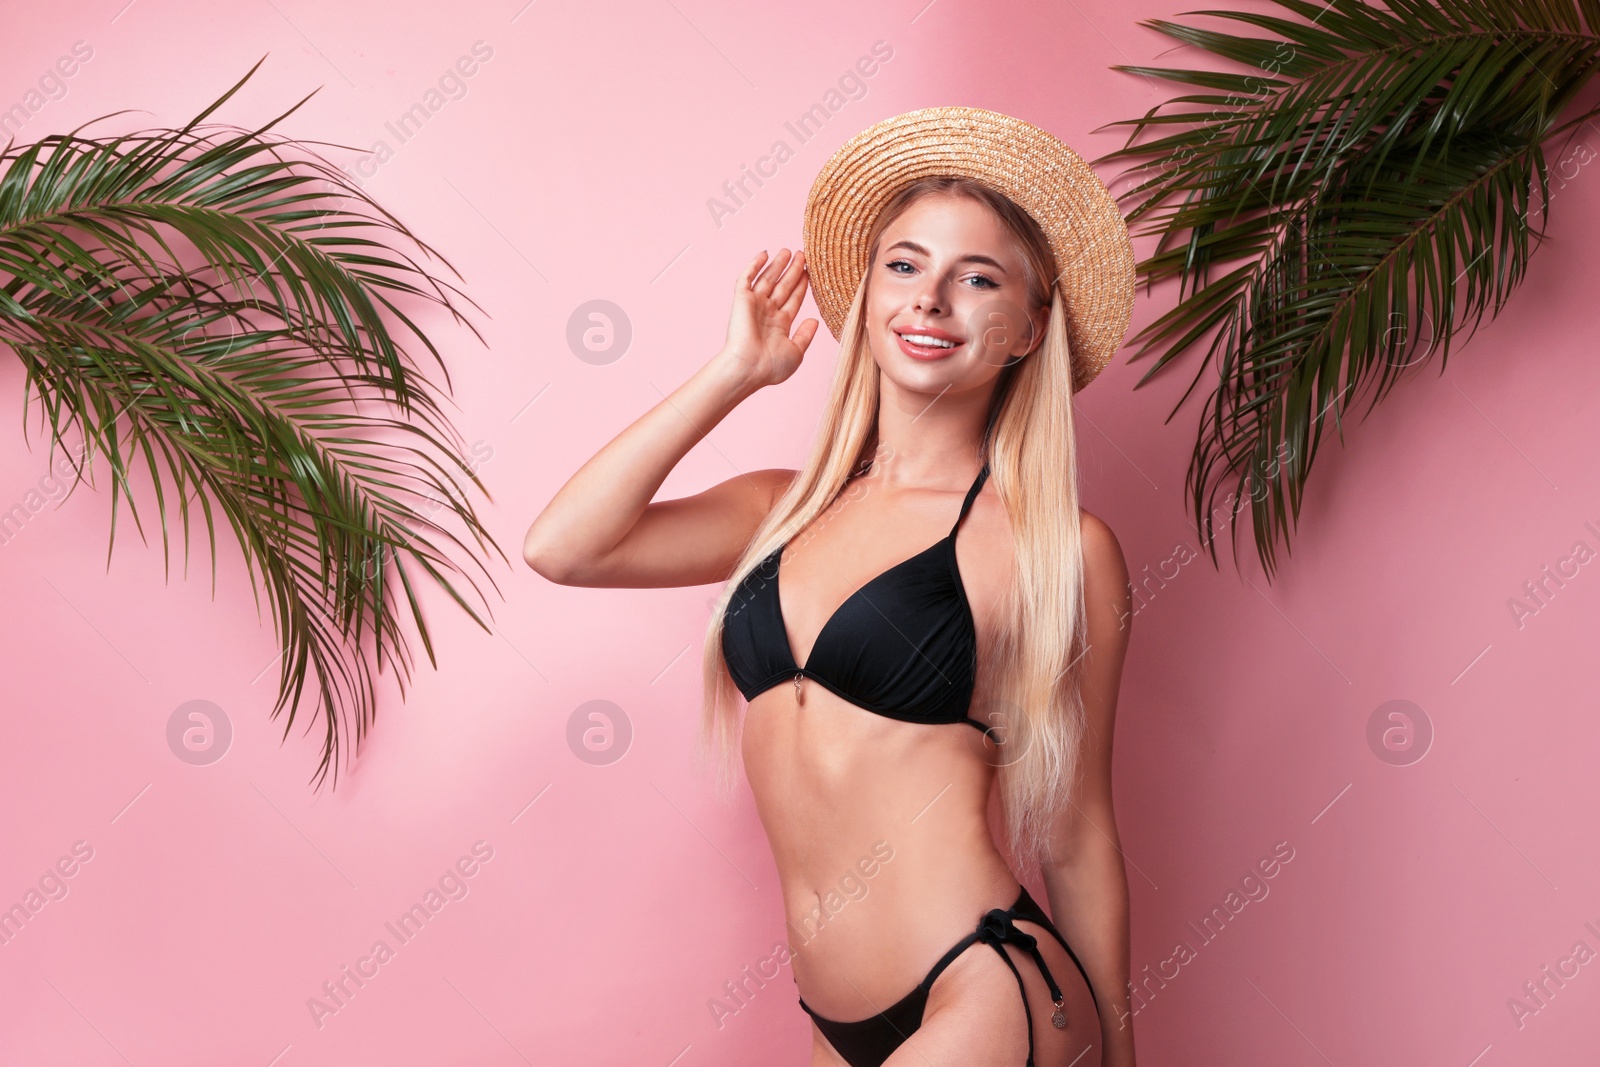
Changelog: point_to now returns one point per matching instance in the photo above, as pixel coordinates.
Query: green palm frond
(1339, 213)
(218, 301)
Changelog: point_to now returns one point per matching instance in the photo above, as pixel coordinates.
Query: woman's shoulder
(1096, 529)
(769, 485)
(750, 494)
(1105, 570)
(1101, 549)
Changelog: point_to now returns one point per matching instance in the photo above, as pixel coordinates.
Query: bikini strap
(947, 959)
(1027, 908)
(972, 494)
(997, 929)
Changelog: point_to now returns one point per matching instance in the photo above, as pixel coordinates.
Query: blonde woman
(923, 611)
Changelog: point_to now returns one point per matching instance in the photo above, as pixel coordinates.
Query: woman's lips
(926, 352)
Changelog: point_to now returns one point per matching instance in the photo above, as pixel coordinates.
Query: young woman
(928, 570)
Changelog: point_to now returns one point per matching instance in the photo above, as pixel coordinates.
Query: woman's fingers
(803, 335)
(792, 278)
(781, 281)
(792, 299)
(749, 274)
(772, 274)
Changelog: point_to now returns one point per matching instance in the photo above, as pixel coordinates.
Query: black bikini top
(903, 645)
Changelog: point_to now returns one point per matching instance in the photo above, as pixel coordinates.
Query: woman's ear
(1039, 320)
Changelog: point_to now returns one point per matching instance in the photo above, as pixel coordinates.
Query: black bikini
(903, 646)
(869, 1042)
(921, 667)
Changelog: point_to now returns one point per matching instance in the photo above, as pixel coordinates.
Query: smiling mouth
(926, 346)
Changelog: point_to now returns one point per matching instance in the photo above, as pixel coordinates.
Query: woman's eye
(986, 281)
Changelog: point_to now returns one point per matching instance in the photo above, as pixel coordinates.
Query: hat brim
(1043, 176)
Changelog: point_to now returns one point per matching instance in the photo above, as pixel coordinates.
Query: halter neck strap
(972, 494)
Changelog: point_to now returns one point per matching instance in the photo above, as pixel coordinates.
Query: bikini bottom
(868, 1042)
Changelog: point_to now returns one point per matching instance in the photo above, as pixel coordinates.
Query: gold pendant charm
(1059, 1018)
(797, 678)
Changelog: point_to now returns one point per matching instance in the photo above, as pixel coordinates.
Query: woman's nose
(930, 297)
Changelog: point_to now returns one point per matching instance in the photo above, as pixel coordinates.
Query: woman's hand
(759, 346)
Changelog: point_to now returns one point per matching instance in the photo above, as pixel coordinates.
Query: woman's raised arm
(601, 528)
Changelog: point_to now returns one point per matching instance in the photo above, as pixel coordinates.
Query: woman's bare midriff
(880, 834)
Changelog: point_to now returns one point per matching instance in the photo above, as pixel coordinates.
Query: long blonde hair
(1034, 666)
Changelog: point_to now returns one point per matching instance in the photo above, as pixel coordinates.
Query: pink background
(578, 165)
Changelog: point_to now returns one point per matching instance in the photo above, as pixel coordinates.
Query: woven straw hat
(1046, 178)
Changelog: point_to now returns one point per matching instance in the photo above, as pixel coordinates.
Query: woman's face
(947, 299)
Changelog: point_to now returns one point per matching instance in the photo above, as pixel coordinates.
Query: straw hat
(1046, 178)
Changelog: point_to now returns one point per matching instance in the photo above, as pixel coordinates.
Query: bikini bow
(997, 928)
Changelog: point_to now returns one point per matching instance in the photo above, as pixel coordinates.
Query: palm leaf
(219, 302)
(1374, 161)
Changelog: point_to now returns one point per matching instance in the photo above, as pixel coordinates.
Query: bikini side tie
(997, 929)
